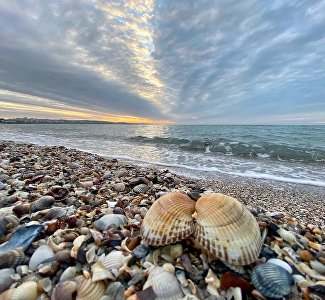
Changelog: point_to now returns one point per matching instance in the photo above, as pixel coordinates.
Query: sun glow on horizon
(38, 107)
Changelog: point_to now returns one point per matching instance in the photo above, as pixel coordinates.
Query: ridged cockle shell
(168, 220)
(227, 229)
(86, 289)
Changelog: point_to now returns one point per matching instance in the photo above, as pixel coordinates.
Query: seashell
(227, 229)
(46, 284)
(280, 263)
(43, 254)
(271, 280)
(86, 184)
(114, 260)
(97, 236)
(7, 222)
(86, 289)
(141, 188)
(115, 291)
(100, 272)
(91, 254)
(168, 220)
(77, 244)
(48, 269)
(171, 252)
(64, 290)
(63, 256)
(119, 187)
(164, 284)
(21, 209)
(22, 237)
(6, 295)
(68, 274)
(52, 242)
(42, 203)
(301, 281)
(317, 266)
(59, 192)
(54, 213)
(304, 269)
(11, 258)
(6, 279)
(110, 221)
(26, 291)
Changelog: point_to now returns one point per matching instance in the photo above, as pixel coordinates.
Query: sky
(164, 61)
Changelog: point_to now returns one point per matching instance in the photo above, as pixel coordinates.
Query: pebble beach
(54, 199)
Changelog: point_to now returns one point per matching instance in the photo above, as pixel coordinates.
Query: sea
(294, 154)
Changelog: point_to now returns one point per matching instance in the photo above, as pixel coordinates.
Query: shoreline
(304, 202)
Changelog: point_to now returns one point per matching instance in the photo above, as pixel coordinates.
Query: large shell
(271, 280)
(26, 291)
(11, 258)
(164, 284)
(64, 290)
(86, 289)
(42, 254)
(226, 229)
(42, 203)
(109, 221)
(168, 220)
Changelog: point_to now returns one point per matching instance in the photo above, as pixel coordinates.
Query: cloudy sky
(186, 61)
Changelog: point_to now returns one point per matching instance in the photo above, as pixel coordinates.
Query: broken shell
(91, 254)
(42, 203)
(64, 290)
(43, 254)
(230, 279)
(11, 258)
(271, 280)
(100, 272)
(306, 255)
(227, 229)
(86, 289)
(168, 220)
(21, 209)
(77, 244)
(110, 221)
(317, 266)
(164, 284)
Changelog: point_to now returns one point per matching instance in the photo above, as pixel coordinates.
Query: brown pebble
(309, 236)
(306, 256)
(229, 280)
(134, 242)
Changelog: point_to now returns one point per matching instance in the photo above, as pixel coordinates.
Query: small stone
(119, 187)
(306, 256)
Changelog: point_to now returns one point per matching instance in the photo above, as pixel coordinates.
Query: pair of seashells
(223, 226)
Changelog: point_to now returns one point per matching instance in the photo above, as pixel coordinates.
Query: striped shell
(64, 290)
(26, 291)
(86, 289)
(141, 188)
(168, 220)
(114, 260)
(11, 258)
(42, 203)
(271, 280)
(164, 284)
(227, 229)
(42, 254)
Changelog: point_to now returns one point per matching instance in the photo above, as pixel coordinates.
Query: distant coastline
(57, 121)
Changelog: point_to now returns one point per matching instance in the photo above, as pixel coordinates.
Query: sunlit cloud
(195, 61)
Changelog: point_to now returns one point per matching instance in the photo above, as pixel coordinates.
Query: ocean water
(284, 153)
